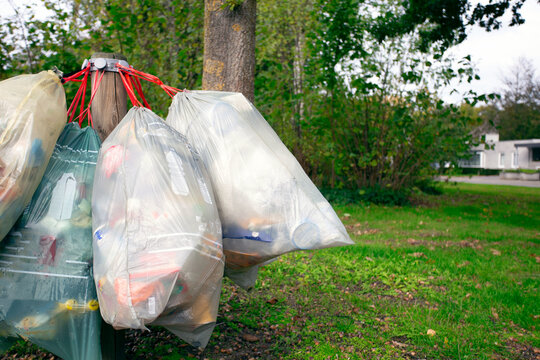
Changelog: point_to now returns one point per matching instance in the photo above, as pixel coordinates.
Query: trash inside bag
(47, 292)
(158, 256)
(267, 204)
(32, 116)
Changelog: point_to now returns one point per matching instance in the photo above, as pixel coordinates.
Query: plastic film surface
(267, 204)
(157, 235)
(32, 116)
(47, 292)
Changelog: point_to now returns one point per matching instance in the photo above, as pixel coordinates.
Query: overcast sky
(493, 53)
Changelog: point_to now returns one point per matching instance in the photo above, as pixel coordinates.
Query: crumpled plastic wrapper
(47, 292)
(158, 256)
(267, 204)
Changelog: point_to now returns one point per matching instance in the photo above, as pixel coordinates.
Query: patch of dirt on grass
(523, 351)
(359, 229)
(227, 342)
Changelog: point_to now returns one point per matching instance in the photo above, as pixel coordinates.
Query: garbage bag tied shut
(157, 235)
(267, 204)
(32, 116)
(48, 292)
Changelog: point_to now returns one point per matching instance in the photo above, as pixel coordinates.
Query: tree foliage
(516, 113)
(351, 86)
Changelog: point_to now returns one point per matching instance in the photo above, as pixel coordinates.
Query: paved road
(491, 180)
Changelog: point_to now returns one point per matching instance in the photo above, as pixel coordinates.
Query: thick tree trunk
(229, 47)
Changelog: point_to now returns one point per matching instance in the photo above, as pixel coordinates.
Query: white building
(504, 155)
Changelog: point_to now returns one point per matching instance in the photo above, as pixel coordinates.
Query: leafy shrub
(376, 194)
(430, 187)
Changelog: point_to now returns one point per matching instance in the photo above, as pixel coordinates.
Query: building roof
(531, 143)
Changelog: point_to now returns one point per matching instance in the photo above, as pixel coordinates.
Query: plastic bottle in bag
(47, 292)
(158, 256)
(267, 204)
(32, 115)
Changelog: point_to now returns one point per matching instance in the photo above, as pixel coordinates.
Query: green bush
(475, 171)
(376, 195)
(430, 187)
(525, 171)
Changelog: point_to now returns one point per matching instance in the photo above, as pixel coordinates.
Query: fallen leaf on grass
(417, 254)
(366, 232)
(272, 301)
(397, 343)
(431, 332)
(412, 241)
(369, 259)
(463, 264)
(495, 252)
(494, 314)
(250, 338)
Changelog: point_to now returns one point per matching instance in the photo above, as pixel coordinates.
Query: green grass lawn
(454, 277)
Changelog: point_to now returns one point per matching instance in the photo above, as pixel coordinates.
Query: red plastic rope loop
(95, 86)
(72, 108)
(76, 75)
(138, 87)
(171, 91)
(129, 90)
(80, 92)
(80, 96)
(84, 84)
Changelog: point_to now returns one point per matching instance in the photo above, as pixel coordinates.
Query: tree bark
(110, 103)
(229, 47)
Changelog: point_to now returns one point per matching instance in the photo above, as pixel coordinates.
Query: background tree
(229, 46)
(349, 85)
(519, 115)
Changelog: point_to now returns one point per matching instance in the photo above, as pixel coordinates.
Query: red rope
(129, 90)
(138, 87)
(171, 91)
(80, 96)
(73, 107)
(76, 75)
(87, 111)
(83, 85)
(130, 78)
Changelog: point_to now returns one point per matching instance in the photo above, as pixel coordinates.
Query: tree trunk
(229, 46)
(110, 103)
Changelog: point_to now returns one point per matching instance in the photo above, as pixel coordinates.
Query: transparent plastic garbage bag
(267, 204)
(158, 257)
(32, 116)
(47, 292)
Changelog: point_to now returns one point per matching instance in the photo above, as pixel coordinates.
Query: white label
(152, 305)
(176, 170)
(204, 191)
(63, 197)
(202, 185)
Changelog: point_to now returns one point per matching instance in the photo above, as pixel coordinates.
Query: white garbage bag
(158, 255)
(267, 204)
(32, 116)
